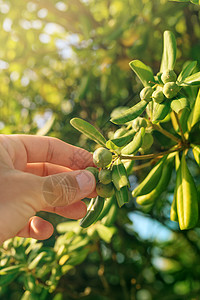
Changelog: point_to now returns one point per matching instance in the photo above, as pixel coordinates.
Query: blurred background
(64, 59)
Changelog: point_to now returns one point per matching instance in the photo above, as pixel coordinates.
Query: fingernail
(86, 181)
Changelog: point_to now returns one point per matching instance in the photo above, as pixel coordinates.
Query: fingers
(66, 188)
(45, 169)
(74, 211)
(52, 150)
(37, 228)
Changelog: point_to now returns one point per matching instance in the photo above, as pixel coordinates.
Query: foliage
(61, 60)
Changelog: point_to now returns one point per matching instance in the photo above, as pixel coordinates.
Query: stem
(139, 167)
(149, 156)
(180, 127)
(166, 133)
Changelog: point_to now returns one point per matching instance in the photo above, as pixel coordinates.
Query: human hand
(41, 173)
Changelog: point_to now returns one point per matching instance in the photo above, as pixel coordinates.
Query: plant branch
(139, 167)
(166, 133)
(149, 156)
(180, 128)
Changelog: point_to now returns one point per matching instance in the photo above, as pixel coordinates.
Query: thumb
(66, 188)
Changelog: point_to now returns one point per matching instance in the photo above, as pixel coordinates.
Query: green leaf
(130, 114)
(8, 278)
(122, 196)
(11, 269)
(195, 2)
(196, 152)
(169, 51)
(119, 175)
(195, 113)
(178, 104)
(33, 264)
(68, 226)
(77, 258)
(194, 134)
(89, 130)
(143, 72)
(160, 111)
(187, 70)
(105, 233)
(136, 143)
(110, 145)
(126, 138)
(194, 79)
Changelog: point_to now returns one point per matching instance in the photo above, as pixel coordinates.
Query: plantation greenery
(126, 75)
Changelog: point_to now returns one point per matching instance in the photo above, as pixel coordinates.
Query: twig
(139, 167)
(166, 133)
(180, 128)
(149, 156)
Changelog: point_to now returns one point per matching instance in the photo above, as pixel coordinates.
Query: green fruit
(168, 76)
(170, 89)
(94, 171)
(146, 93)
(158, 77)
(158, 95)
(147, 141)
(105, 176)
(105, 190)
(102, 157)
(187, 197)
(138, 123)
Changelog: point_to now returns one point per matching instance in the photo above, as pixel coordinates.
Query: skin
(41, 174)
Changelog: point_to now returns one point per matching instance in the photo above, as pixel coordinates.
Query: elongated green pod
(173, 211)
(89, 130)
(187, 197)
(160, 111)
(135, 144)
(94, 209)
(169, 51)
(130, 114)
(160, 187)
(119, 175)
(122, 196)
(151, 180)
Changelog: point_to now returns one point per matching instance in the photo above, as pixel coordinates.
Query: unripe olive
(158, 95)
(146, 93)
(120, 132)
(168, 76)
(147, 141)
(102, 157)
(158, 77)
(138, 123)
(94, 171)
(170, 89)
(105, 176)
(105, 190)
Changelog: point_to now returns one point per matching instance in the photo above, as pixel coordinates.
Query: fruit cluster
(163, 98)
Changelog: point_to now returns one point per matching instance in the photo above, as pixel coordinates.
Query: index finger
(55, 151)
